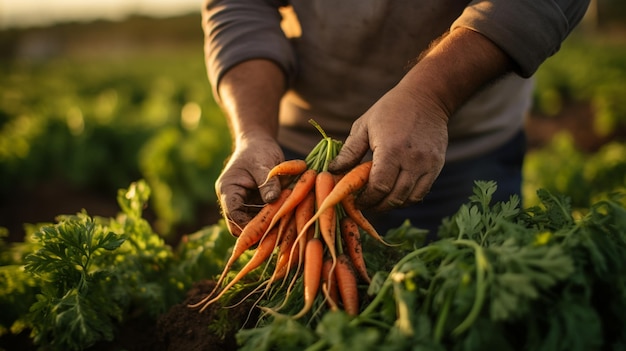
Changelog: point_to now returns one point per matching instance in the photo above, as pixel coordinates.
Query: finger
(402, 196)
(399, 196)
(409, 189)
(426, 181)
(232, 200)
(270, 189)
(234, 213)
(422, 187)
(353, 150)
(385, 170)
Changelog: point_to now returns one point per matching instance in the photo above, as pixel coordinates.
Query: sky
(23, 13)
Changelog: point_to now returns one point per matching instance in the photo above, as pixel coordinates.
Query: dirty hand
(408, 137)
(237, 187)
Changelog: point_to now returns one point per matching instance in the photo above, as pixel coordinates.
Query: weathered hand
(407, 128)
(237, 187)
(408, 136)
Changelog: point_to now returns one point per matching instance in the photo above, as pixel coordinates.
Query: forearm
(250, 95)
(455, 68)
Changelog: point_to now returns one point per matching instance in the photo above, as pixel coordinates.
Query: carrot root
(329, 284)
(252, 233)
(347, 285)
(352, 239)
(262, 253)
(348, 204)
(312, 274)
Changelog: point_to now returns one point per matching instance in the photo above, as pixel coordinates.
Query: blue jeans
(454, 186)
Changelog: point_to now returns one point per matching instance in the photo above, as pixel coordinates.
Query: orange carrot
(305, 210)
(352, 239)
(300, 190)
(263, 251)
(251, 234)
(327, 222)
(354, 180)
(284, 262)
(312, 274)
(357, 216)
(329, 283)
(288, 167)
(347, 285)
(283, 225)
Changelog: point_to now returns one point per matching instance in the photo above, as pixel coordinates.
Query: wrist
(250, 97)
(254, 137)
(456, 67)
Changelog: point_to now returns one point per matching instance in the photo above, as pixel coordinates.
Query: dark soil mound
(186, 329)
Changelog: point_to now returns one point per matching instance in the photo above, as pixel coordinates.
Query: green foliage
(203, 254)
(501, 277)
(77, 281)
(17, 294)
(283, 334)
(92, 271)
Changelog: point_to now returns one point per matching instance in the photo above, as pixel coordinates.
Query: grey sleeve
(529, 31)
(240, 30)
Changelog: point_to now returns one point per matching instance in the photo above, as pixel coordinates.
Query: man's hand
(408, 137)
(407, 128)
(237, 187)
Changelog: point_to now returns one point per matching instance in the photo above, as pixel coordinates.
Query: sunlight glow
(25, 13)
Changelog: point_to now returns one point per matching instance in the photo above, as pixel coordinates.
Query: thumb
(352, 151)
(270, 190)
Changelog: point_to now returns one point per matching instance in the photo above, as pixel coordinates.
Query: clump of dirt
(186, 329)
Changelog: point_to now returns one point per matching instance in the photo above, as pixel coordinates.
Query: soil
(181, 328)
(185, 329)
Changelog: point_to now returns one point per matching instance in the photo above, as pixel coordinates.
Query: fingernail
(270, 196)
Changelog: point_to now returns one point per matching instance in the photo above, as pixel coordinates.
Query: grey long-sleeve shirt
(341, 56)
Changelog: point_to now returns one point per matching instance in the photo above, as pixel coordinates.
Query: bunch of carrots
(312, 229)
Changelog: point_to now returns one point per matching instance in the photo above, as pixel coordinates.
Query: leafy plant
(91, 272)
(499, 278)
(74, 283)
